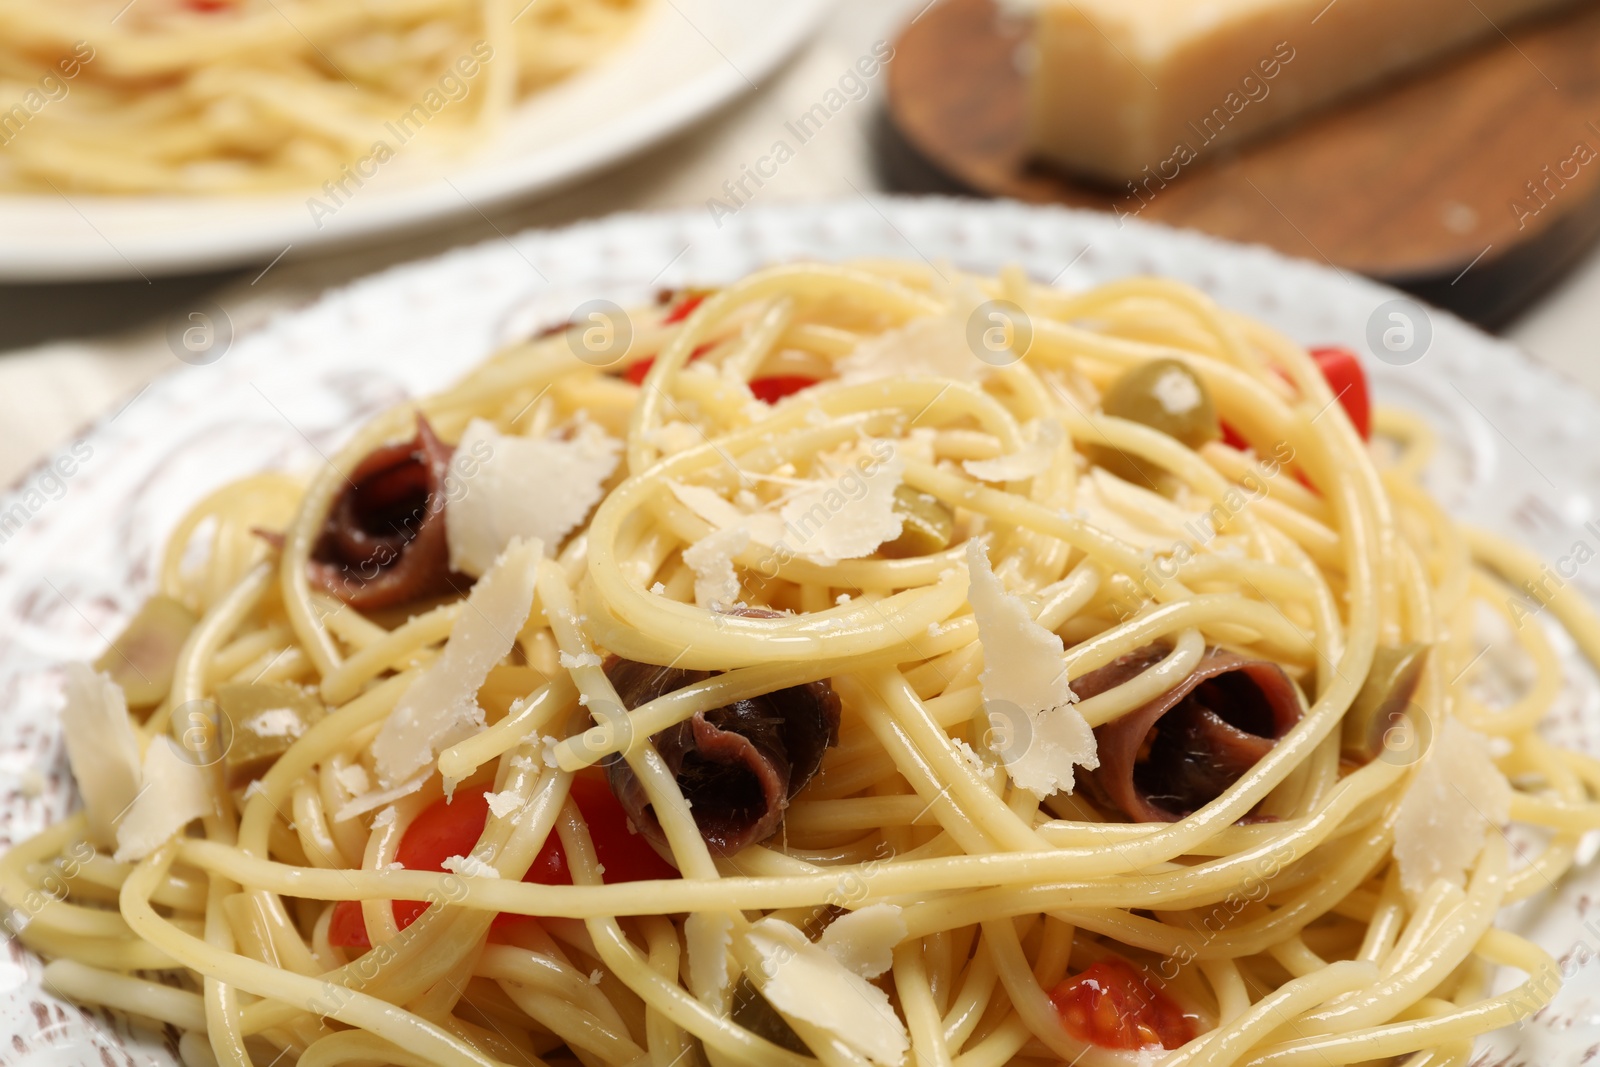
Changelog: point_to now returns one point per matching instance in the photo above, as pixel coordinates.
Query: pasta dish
(250, 96)
(857, 664)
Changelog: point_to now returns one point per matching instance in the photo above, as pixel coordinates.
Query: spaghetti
(904, 580)
(249, 96)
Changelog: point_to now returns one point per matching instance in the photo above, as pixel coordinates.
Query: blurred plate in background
(684, 60)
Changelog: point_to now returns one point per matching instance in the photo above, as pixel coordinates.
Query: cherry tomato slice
(445, 829)
(773, 389)
(686, 308)
(1113, 1005)
(1343, 370)
(636, 373)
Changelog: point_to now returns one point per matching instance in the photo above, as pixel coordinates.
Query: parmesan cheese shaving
(441, 706)
(102, 748)
(711, 560)
(1456, 796)
(707, 937)
(502, 487)
(1034, 459)
(1025, 691)
(762, 526)
(368, 801)
(864, 940)
(807, 984)
(173, 793)
(849, 517)
(933, 346)
(1141, 518)
(708, 504)
(354, 779)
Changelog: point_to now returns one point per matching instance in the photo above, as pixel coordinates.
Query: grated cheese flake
(173, 792)
(711, 559)
(1447, 811)
(582, 659)
(354, 779)
(848, 517)
(762, 526)
(275, 722)
(441, 706)
(930, 346)
(503, 803)
(807, 984)
(368, 801)
(1036, 457)
(505, 486)
(470, 866)
(864, 940)
(102, 748)
(708, 504)
(674, 437)
(1025, 690)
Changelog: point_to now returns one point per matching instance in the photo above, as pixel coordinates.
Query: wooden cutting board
(1437, 184)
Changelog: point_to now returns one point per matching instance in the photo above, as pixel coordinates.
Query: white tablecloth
(50, 392)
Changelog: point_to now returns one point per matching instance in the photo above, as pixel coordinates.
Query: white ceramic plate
(685, 59)
(1517, 457)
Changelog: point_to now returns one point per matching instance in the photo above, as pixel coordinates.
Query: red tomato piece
(778, 386)
(1113, 1005)
(348, 929)
(1345, 376)
(685, 309)
(636, 373)
(445, 829)
(1348, 381)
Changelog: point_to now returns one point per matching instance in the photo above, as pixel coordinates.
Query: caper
(927, 525)
(143, 656)
(1378, 707)
(752, 1011)
(265, 720)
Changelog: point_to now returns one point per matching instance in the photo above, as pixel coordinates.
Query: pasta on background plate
(864, 664)
(252, 96)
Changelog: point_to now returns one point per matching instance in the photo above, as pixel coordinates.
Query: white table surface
(71, 353)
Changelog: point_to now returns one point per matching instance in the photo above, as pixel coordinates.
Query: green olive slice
(927, 525)
(265, 719)
(1384, 696)
(1165, 395)
(143, 656)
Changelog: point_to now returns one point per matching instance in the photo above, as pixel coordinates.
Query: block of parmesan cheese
(1123, 90)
